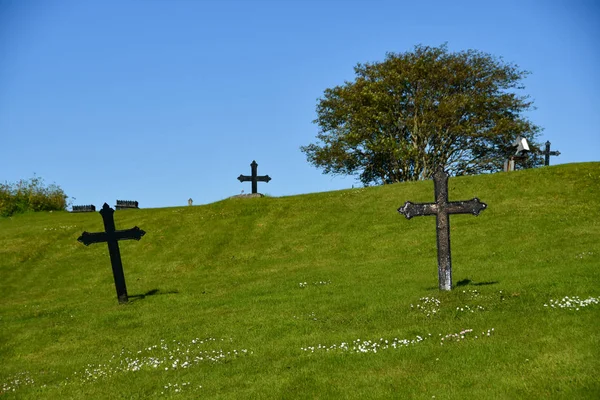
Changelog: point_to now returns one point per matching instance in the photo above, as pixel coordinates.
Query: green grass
(231, 275)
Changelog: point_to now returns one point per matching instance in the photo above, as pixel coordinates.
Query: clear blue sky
(159, 101)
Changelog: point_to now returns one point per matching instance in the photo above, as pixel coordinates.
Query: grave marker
(125, 204)
(442, 209)
(86, 208)
(254, 178)
(112, 236)
(547, 153)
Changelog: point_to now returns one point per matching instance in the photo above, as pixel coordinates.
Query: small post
(509, 165)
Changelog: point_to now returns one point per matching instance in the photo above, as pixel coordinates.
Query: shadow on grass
(153, 292)
(466, 282)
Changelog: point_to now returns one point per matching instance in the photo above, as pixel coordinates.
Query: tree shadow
(467, 281)
(153, 292)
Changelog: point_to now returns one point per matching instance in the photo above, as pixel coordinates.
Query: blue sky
(159, 101)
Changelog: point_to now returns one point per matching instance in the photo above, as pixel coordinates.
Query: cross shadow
(153, 292)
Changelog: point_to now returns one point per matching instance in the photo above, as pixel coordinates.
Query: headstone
(442, 209)
(254, 178)
(509, 165)
(547, 153)
(521, 145)
(125, 204)
(86, 208)
(190, 201)
(522, 148)
(112, 236)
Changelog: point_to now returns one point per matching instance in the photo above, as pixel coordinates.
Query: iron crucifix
(442, 209)
(254, 178)
(112, 236)
(547, 153)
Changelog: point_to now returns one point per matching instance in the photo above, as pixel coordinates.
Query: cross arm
(410, 209)
(473, 206)
(88, 238)
(133, 233)
(265, 178)
(244, 178)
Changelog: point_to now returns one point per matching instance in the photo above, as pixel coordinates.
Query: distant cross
(254, 178)
(442, 209)
(112, 237)
(547, 153)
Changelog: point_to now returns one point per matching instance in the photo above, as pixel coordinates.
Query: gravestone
(190, 201)
(442, 209)
(86, 208)
(125, 204)
(547, 153)
(254, 178)
(112, 236)
(522, 148)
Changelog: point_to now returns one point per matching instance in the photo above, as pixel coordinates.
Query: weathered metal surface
(547, 153)
(254, 178)
(112, 236)
(85, 208)
(442, 209)
(126, 204)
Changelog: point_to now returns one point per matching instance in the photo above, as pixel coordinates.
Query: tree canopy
(30, 195)
(402, 118)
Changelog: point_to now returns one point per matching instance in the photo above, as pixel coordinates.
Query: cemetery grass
(267, 297)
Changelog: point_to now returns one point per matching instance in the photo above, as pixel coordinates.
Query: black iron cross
(112, 237)
(547, 153)
(442, 209)
(254, 178)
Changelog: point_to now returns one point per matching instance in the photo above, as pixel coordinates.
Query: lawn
(325, 295)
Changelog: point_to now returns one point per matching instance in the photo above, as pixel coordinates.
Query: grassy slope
(232, 270)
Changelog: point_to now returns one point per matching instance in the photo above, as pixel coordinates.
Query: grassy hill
(326, 295)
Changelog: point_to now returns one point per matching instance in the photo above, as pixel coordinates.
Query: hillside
(325, 295)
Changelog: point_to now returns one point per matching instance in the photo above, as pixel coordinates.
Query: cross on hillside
(112, 236)
(254, 178)
(547, 153)
(442, 209)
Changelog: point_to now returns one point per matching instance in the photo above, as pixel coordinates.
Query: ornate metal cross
(442, 209)
(112, 237)
(547, 153)
(254, 178)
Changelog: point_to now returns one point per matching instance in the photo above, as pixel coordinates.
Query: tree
(30, 195)
(402, 118)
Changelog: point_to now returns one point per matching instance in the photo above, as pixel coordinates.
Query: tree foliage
(402, 118)
(30, 195)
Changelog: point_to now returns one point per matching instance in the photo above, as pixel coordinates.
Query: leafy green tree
(402, 118)
(30, 195)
